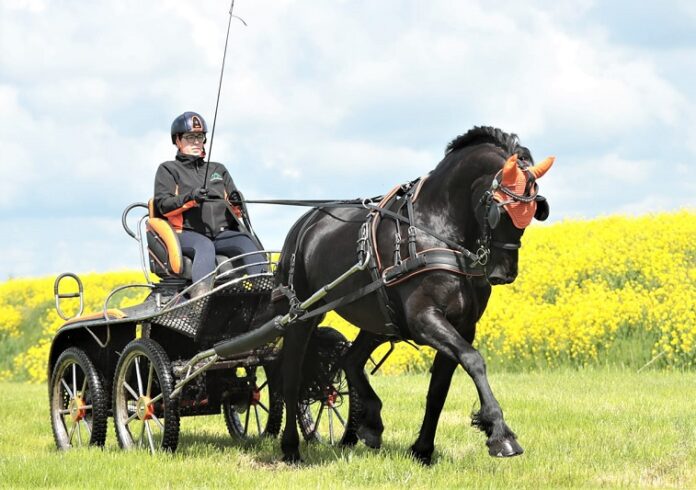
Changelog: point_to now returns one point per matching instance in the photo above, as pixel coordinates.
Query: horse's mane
(510, 143)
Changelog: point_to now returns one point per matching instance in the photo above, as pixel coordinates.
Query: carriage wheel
(144, 414)
(325, 419)
(260, 414)
(78, 401)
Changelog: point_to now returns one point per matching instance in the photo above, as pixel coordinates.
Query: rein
(369, 205)
(449, 260)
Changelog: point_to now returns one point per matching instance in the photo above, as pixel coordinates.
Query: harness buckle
(397, 249)
(482, 255)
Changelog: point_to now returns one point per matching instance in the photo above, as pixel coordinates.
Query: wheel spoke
(263, 407)
(65, 411)
(338, 416)
(157, 398)
(130, 390)
(79, 433)
(149, 379)
(331, 431)
(246, 421)
(149, 437)
(258, 420)
(84, 386)
(263, 385)
(86, 407)
(316, 422)
(137, 375)
(67, 388)
(161, 425)
(89, 431)
(131, 418)
(142, 434)
(71, 434)
(74, 379)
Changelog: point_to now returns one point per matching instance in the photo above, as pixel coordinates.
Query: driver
(199, 211)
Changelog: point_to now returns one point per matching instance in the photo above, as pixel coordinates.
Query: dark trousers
(228, 243)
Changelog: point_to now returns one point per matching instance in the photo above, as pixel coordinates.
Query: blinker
(542, 208)
(493, 215)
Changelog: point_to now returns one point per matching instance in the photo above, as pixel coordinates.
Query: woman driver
(199, 213)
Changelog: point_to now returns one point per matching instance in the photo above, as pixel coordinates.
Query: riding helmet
(188, 122)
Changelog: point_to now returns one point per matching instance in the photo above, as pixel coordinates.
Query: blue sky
(334, 99)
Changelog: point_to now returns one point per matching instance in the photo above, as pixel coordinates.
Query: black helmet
(188, 122)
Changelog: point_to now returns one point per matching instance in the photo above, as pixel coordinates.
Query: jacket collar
(189, 160)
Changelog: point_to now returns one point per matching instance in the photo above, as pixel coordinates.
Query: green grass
(580, 428)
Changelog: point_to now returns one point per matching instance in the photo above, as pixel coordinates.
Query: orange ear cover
(510, 171)
(542, 167)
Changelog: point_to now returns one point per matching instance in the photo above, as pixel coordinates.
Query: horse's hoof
(370, 437)
(350, 439)
(504, 448)
(292, 458)
(423, 457)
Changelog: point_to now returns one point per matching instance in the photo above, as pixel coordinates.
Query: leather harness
(396, 206)
(400, 198)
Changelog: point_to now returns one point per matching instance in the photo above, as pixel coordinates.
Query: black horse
(481, 196)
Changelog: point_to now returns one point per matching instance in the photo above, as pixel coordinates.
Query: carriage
(142, 365)
(417, 278)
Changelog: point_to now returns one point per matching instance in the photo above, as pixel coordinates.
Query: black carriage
(171, 356)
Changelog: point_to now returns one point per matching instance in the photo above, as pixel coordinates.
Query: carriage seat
(164, 250)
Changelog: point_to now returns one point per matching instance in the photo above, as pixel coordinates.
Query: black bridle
(489, 210)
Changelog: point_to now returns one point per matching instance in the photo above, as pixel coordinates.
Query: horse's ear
(510, 171)
(542, 167)
(542, 210)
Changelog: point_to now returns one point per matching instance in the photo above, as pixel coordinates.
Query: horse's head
(504, 210)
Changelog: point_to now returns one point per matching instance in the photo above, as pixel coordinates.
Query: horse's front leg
(432, 328)
(294, 346)
(364, 416)
(440, 379)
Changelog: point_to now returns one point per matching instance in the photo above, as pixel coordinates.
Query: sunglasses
(191, 138)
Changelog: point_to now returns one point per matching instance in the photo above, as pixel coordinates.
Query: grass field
(580, 428)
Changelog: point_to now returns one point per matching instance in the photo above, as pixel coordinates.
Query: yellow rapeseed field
(27, 307)
(584, 288)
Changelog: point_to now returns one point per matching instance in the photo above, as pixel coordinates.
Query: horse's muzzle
(497, 277)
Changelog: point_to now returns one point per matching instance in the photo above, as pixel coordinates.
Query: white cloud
(326, 99)
(653, 204)
(47, 247)
(621, 171)
(34, 6)
(18, 165)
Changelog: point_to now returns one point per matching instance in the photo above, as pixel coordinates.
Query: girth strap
(432, 259)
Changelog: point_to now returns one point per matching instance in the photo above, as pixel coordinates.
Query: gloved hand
(199, 195)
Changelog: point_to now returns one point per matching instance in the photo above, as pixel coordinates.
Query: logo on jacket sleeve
(215, 177)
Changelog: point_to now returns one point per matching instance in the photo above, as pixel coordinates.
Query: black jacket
(174, 183)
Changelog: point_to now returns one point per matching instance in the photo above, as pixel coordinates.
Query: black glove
(199, 195)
